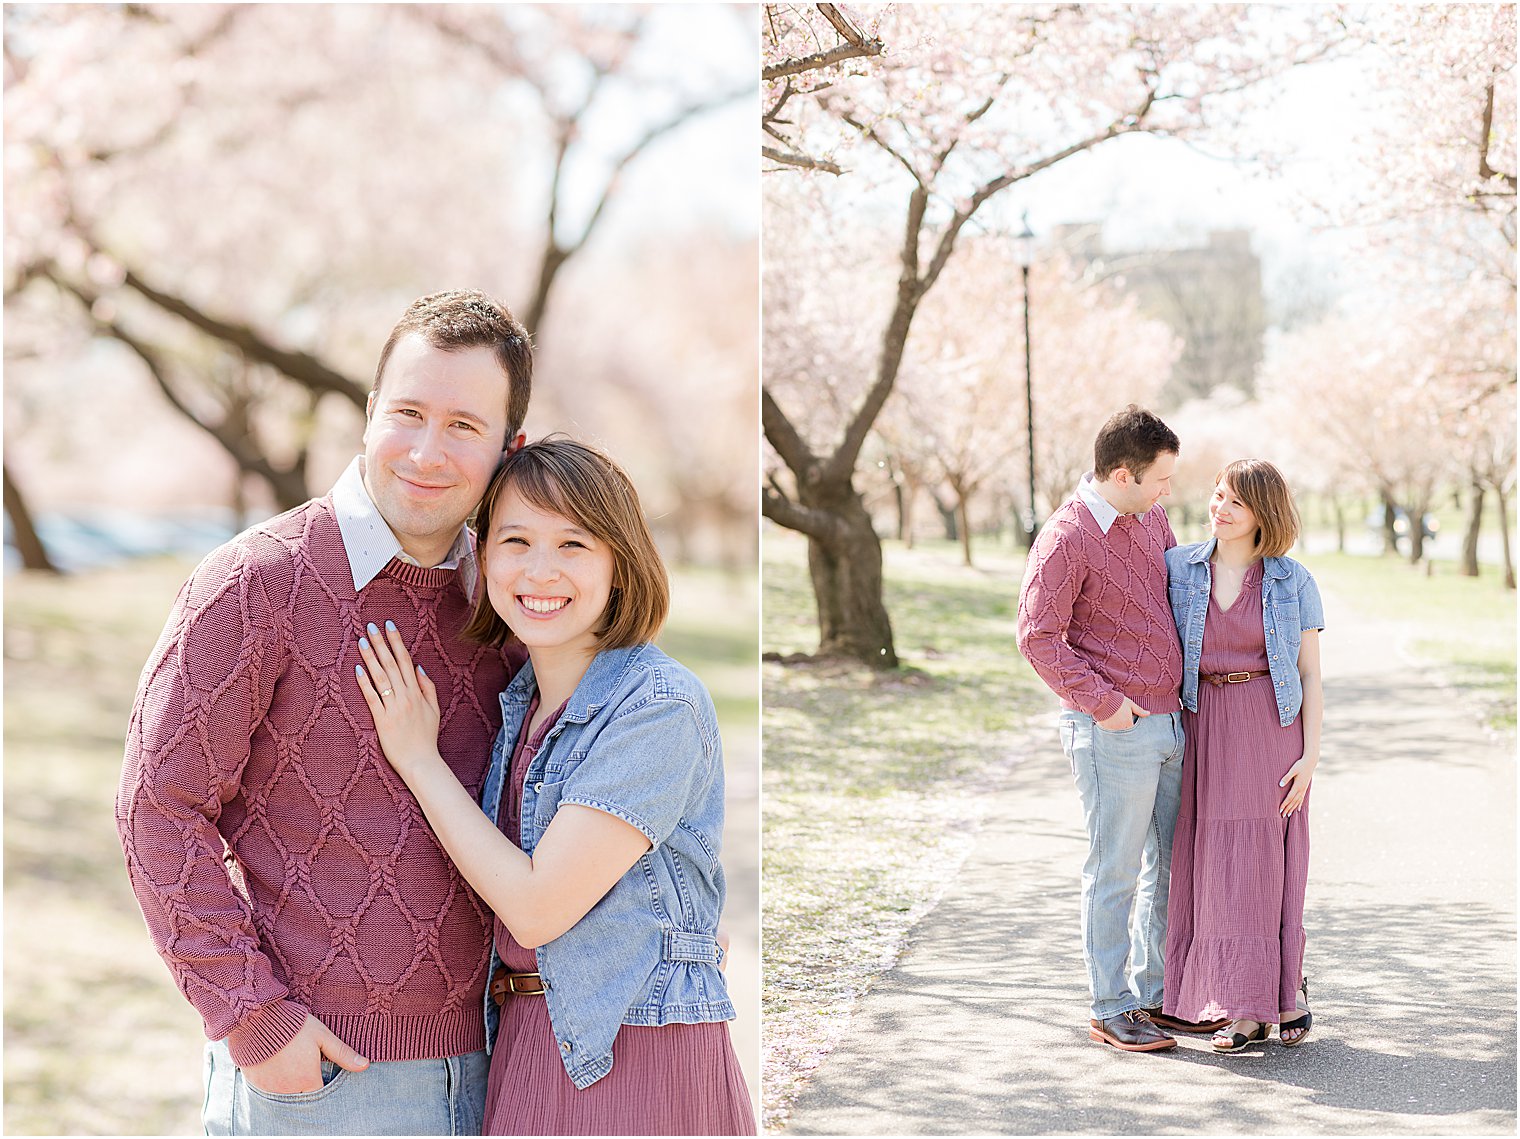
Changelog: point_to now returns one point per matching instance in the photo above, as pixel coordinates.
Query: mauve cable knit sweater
(250, 736)
(1094, 619)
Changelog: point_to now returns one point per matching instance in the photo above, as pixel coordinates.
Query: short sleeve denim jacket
(1289, 604)
(639, 740)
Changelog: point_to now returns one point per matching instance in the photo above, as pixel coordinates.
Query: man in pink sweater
(288, 877)
(1095, 623)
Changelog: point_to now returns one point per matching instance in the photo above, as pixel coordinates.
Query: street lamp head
(1023, 245)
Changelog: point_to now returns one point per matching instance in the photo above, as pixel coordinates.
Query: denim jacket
(1289, 604)
(638, 740)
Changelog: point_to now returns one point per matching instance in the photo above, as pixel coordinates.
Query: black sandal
(1235, 1041)
(1300, 1024)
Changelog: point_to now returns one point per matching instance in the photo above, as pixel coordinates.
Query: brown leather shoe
(1177, 1024)
(1131, 1031)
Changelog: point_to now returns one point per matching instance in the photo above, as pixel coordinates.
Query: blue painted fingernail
(364, 644)
(358, 670)
(390, 626)
(374, 632)
(422, 670)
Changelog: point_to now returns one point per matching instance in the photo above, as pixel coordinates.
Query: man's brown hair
(469, 318)
(1261, 486)
(1131, 439)
(560, 476)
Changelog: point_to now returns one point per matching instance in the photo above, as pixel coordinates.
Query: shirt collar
(1103, 511)
(370, 543)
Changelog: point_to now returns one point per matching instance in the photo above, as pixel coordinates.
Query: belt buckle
(514, 978)
(1236, 677)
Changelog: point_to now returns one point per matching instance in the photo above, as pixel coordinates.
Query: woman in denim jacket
(1249, 619)
(603, 817)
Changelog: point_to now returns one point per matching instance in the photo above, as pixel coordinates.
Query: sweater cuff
(1110, 706)
(268, 1029)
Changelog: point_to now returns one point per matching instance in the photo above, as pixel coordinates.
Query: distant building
(1209, 295)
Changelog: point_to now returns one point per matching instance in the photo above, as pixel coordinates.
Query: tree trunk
(1390, 524)
(1416, 517)
(963, 516)
(948, 518)
(847, 585)
(1340, 525)
(1469, 563)
(34, 555)
(1509, 564)
(909, 495)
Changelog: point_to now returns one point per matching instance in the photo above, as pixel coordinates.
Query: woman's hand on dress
(402, 699)
(1297, 781)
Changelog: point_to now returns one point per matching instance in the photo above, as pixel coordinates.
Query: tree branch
(822, 59)
(1485, 171)
(302, 367)
(785, 512)
(234, 442)
(786, 158)
(789, 444)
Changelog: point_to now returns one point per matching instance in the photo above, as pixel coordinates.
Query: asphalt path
(982, 1025)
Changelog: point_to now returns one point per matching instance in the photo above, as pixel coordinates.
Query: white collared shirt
(1104, 513)
(369, 541)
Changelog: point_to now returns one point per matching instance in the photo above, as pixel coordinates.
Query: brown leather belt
(1220, 679)
(505, 984)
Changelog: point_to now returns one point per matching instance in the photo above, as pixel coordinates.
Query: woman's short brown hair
(1261, 486)
(582, 484)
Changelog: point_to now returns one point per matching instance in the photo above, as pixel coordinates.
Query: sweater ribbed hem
(1156, 703)
(263, 1033)
(380, 1037)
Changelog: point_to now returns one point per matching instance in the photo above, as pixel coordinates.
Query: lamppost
(1023, 253)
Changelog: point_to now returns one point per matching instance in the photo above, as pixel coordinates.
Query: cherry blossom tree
(961, 402)
(805, 47)
(970, 102)
(237, 197)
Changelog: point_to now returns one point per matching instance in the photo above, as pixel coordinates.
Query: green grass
(97, 1038)
(871, 781)
(1464, 626)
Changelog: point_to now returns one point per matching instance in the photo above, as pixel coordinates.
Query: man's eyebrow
(451, 413)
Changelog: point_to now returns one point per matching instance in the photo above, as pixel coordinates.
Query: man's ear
(369, 413)
(1121, 476)
(514, 444)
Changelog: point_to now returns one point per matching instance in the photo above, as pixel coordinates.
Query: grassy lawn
(871, 781)
(97, 1038)
(1462, 625)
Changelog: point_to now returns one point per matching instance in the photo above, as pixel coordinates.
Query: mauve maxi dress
(1235, 915)
(676, 1079)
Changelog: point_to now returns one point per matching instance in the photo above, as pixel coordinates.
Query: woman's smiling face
(548, 577)
(1230, 518)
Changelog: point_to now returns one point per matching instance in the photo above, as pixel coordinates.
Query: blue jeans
(1131, 783)
(397, 1097)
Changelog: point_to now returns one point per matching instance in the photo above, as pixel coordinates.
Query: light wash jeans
(1131, 783)
(397, 1097)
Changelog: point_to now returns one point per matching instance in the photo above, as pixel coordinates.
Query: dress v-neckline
(1239, 593)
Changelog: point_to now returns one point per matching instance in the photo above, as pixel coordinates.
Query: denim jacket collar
(600, 681)
(1271, 567)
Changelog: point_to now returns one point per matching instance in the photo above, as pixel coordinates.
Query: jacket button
(565, 1047)
(539, 786)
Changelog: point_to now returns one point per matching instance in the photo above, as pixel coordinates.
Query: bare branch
(785, 512)
(789, 444)
(790, 159)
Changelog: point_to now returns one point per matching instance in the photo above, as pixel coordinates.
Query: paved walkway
(982, 1026)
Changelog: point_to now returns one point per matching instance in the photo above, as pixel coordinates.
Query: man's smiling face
(434, 435)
